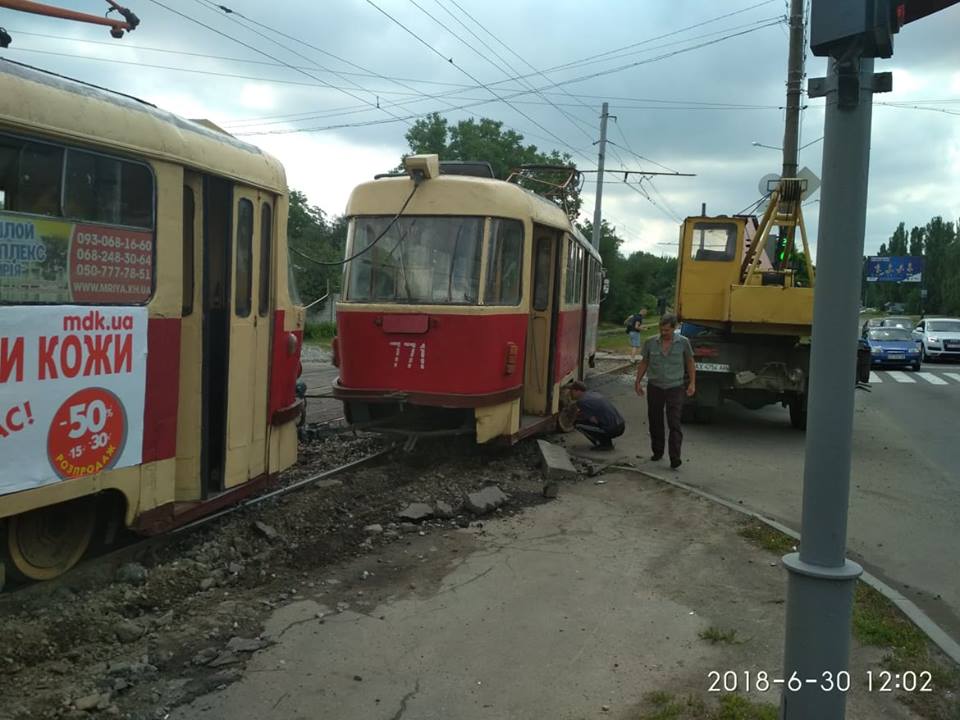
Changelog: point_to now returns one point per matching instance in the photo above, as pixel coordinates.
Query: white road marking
(874, 378)
(953, 376)
(900, 377)
(931, 378)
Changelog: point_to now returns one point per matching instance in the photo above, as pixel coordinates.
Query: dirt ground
(136, 640)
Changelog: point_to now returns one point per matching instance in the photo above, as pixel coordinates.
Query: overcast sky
(691, 92)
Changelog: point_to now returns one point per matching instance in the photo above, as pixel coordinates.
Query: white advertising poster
(72, 386)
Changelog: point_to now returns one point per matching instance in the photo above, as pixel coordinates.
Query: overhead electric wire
(416, 93)
(466, 72)
(683, 29)
(509, 68)
(466, 105)
(261, 52)
(318, 80)
(228, 12)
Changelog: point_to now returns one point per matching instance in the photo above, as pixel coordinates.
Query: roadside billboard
(904, 268)
(72, 388)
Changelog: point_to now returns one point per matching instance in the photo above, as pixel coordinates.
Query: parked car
(893, 346)
(896, 321)
(939, 338)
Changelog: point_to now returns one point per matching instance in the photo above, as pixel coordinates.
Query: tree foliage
(938, 242)
(311, 233)
(638, 280)
(487, 140)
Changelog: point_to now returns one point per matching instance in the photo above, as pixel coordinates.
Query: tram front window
(419, 259)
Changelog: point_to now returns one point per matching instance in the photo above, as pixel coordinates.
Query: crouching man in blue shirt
(597, 418)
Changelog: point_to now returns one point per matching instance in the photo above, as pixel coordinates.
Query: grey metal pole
(791, 130)
(603, 151)
(820, 579)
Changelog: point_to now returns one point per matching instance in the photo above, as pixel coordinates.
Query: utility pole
(821, 579)
(603, 151)
(791, 127)
(791, 130)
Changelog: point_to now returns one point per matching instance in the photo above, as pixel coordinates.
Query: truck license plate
(712, 367)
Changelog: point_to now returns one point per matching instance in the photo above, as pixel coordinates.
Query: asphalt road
(905, 479)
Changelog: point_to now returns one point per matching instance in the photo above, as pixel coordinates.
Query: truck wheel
(798, 411)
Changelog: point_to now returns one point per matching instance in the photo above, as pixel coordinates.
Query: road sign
(812, 183)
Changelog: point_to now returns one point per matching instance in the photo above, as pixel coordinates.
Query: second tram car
(468, 302)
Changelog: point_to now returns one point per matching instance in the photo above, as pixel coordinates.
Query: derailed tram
(468, 302)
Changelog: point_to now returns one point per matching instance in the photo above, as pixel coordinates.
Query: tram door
(246, 422)
(538, 373)
(217, 277)
(228, 239)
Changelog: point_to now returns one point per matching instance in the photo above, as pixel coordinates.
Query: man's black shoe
(603, 447)
(675, 463)
(656, 456)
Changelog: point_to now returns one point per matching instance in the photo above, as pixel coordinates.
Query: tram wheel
(44, 543)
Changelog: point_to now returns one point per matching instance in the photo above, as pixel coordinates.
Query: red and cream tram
(468, 302)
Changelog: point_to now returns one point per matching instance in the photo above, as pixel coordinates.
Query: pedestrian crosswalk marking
(953, 376)
(900, 377)
(874, 378)
(931, 378)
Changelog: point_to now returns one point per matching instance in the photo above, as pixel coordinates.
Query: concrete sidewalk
(575, 609)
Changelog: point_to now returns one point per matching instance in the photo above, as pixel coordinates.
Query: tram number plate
(712, 367)
(410, 355)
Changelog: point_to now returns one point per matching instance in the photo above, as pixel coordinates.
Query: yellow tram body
(200, 218)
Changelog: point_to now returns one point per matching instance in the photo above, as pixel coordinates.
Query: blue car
(893, 346)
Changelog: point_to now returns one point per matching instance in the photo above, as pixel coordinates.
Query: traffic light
(866, 28)
(854, 27)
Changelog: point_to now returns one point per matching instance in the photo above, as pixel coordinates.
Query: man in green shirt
(668, 358)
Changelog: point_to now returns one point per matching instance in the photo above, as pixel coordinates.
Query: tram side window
(108, 190)
(713, 242)
(591, 279)
(574, 279)
(188, 249)
(266, 245)
(244, 257)
(30, 177)
(541, 274)
(504, 263)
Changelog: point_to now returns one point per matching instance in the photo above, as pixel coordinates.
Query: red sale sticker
(87, 433)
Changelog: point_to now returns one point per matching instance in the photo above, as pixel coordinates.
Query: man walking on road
(667, 357)
(634, 328)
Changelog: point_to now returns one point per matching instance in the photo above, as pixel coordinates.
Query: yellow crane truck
(748, 311)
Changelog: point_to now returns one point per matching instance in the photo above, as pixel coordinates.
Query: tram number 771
(407, 353)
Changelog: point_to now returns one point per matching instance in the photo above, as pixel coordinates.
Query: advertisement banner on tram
(72, 387)
(47, 260)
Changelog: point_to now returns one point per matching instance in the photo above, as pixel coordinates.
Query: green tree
(635, 281)
(940, 240)
(487, 140)
(310, 234)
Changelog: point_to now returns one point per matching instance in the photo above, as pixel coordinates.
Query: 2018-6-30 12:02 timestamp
(720, 681)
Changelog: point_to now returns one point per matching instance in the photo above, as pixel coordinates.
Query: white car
(939, 338)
